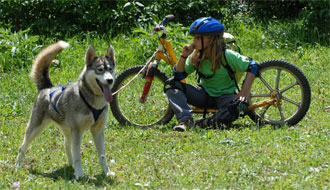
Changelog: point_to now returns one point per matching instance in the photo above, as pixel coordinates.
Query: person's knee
(171, 93)
(171, 84)
(226, 115)
(168, 85)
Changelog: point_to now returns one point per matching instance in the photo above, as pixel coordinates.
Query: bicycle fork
(149, 77)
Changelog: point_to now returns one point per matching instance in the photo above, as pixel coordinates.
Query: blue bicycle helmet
(206, 26)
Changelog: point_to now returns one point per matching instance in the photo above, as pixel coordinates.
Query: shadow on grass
(169, 127)
(67, 173)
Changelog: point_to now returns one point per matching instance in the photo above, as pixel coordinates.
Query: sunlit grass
(244, 157)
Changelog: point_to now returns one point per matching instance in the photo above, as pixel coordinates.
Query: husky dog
(75, 107)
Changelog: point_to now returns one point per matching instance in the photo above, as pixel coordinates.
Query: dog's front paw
(18, 165)
(79, 174)
(110, 174)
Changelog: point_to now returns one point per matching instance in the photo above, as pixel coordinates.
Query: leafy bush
(58, 17)
(17, 49)
(25, 22)
(61, 18)
(315, 19)
(310, 18)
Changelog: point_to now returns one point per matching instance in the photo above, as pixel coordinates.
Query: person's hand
(242, 96)
(195, 58)
(187, 49)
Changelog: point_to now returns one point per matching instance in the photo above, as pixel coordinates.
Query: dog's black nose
(110, 81)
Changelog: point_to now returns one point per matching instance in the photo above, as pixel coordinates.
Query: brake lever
(161, 27)
(158, 28)
(167, 19)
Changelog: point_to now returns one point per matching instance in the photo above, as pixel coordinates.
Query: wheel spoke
(285, 83)
(278, 78)
(128, 108)
(264, 111)
(288, 87)
(266, 84)
(291, 101)
(281, 113)
(260, 95)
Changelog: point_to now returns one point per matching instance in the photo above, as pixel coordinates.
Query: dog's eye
(108, 68)
(101, 69)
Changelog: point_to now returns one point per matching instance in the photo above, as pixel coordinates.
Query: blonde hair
(216, 52)
(216, 47)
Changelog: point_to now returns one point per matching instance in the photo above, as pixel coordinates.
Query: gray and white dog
(75, 107)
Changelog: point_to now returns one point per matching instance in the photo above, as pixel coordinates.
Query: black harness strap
(53, 104)
(96, 112)
(230, 71)
(205, 105)
(200, 75)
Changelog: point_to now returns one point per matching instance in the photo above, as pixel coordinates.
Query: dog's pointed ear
(111, 53)
(90, 54)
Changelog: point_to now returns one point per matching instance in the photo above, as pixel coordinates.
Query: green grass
(244, 157)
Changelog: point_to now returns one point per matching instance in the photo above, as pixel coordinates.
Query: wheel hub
(275, 96)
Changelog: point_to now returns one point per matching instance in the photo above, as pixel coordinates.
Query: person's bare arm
(244, 94)
(186, 51)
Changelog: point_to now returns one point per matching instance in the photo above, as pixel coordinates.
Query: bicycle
(280, 93)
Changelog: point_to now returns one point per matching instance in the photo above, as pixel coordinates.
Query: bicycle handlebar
(161, 26)
(167, 19)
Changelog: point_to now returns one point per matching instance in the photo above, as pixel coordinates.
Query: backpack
(230, 43)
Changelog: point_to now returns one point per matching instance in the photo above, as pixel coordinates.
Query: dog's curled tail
(40, 67)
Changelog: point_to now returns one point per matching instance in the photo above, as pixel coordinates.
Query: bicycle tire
(127, 108)
(293, 91)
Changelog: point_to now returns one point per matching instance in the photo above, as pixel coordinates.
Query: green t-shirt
(220, 83)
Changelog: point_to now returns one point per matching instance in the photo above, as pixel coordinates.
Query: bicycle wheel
(126, 105)
(289, 85)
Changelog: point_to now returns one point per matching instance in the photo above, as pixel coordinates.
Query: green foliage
(58, 17)
(315, 19)
(61, 18)
(17, 49)
(312, 18)
(50, 18)
(276, 9)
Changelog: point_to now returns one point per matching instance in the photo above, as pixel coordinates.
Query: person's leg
(227, 109)
(226, 114)
(180, 95)
(179, 105)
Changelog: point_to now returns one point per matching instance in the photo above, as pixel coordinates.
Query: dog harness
(96, 112)
(50, 98)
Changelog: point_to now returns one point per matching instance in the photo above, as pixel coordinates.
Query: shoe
(203, 123)
(182, 126)
(209, 123)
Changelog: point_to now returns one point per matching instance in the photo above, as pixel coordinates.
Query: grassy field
(245, 157)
